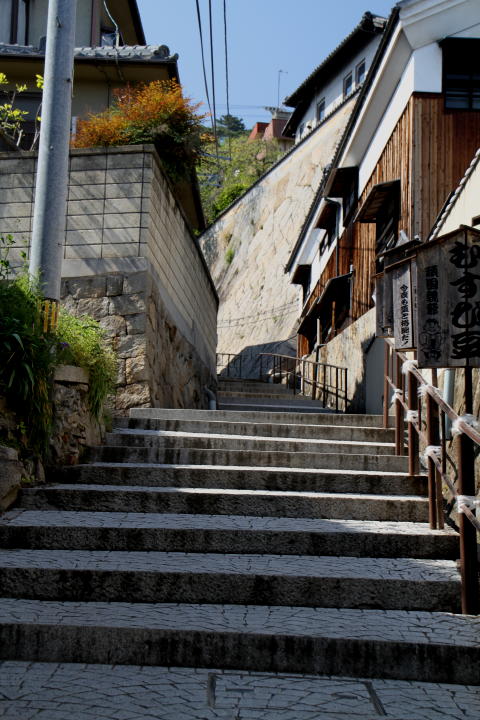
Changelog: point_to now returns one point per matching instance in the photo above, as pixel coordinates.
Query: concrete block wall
(122, 210)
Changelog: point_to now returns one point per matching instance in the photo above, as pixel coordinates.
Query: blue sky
(264, 36)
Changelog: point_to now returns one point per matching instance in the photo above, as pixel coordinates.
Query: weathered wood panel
(445, 143)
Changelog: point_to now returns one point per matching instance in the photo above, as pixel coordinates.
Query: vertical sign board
(403, 277)
(448, 313)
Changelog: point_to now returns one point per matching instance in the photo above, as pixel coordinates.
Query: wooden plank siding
(429, 152)
(445, 143)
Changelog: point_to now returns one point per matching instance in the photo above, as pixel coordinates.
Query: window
(360, 73)
(461, 74)
(321, 110)
(300, 130)
(347, 85)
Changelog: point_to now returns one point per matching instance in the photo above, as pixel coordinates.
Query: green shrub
(27, 361)
(28, 356)
(229, 255)
(82, 342)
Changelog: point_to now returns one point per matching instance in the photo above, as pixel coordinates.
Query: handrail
(304, 360)
(397, 363)
(337, 389)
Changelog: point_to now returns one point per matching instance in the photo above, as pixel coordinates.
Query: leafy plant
(223, 177)
(82, 343)
(28, 356)
(229, 255)
(12, 119)
(27, 359)
(150, 112)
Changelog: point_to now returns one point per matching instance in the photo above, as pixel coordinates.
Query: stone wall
(73, 430)
(258, 305)
(157, 365)
(131, 261)
(357, 349)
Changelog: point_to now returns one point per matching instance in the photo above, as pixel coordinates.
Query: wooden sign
(383, 306)
(448, 313)
(403, 277)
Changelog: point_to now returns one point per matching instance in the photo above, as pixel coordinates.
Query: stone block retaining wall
(131, 261)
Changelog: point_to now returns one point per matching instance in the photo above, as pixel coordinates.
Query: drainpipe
(212, 399)
(448, 393)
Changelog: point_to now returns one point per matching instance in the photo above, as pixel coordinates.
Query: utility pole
(285, 72)
(51, 186)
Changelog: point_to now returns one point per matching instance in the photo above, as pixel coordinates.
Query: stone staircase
(261, 542)
(247, 395)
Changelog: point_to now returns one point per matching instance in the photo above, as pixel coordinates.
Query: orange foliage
(154, 112)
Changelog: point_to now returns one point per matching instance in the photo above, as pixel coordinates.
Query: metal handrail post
(432, 439)
(412, 433)
(385, 384)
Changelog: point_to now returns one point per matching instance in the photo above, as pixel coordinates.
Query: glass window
(461, 74)
(360, 73)
(321, 110)
(347, 85)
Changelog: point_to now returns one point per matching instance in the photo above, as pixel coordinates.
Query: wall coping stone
(70, 374)
(86, 267)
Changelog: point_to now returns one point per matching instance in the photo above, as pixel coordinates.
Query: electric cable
(213, 82)
(199, 19)
(226, 70)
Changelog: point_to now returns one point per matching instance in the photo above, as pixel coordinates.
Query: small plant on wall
(156, 112)
(29, 355)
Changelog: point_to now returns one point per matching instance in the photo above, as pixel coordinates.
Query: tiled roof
(372, 24)
(137, 53)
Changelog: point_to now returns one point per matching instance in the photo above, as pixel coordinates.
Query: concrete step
(218, 441)
(231, 386)
(246, 478)
(294, 580)
(126, 519)
(126, 691)
(264, 429)
(266, 391)
(402, 645)
(268, 405)
(320, 418)
(250, 458)
(267, 503)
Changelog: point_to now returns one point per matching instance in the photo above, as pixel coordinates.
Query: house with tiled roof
(409, 140)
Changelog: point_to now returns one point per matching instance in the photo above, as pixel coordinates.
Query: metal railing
(319, 381)
(429, 426)
(229, 365)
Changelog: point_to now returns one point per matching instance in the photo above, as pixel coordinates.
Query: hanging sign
(403, 306)
(448, 312)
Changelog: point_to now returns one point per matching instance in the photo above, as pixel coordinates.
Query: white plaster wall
(467, 205)
(333, 91)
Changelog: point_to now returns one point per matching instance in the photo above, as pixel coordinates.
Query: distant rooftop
(136, 53)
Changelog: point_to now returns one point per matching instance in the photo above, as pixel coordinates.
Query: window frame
(357, 68)
(466, 88)
(320, 104)
(348, 80)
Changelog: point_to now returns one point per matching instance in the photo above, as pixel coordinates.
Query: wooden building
(411, 137)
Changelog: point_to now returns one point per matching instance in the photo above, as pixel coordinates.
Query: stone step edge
(244, 468)
(402, 645)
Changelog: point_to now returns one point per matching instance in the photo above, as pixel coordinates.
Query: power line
(226, 69)
(213, 80)
(199, 19)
